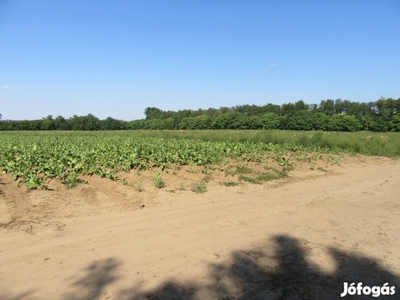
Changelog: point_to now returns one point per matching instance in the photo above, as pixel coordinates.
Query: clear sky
(115, 58)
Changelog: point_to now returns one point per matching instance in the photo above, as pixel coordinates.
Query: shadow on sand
(278, 271)
(97, 277)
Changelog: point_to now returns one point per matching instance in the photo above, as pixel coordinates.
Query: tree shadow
(280, 269)
(5, 295)
(280, 272)
(93, 283)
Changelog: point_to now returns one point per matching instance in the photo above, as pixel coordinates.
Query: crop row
(33, 160)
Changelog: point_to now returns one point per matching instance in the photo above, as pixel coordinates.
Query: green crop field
(34, 157)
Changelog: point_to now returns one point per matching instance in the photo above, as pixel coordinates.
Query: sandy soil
(295, 238)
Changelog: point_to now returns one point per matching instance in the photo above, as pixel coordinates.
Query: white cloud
(272, 64)
(6, 87)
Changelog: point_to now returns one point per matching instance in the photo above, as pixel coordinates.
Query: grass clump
(138, 187)
(181, 187)
(230, 183)
(158, 181)
(243, 170)
(125, 182)
(199, 188)
(70, 182)
(271, 174)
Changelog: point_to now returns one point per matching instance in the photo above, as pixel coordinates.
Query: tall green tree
(234, 120)
(47, 123)
(344, 122)
(153, 113)
(270, 121)
(327, 107)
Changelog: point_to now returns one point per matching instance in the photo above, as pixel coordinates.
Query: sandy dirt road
(300, 238)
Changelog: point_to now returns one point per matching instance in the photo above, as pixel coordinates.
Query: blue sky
(115, 58)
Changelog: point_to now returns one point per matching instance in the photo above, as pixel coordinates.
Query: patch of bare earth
(299, 237)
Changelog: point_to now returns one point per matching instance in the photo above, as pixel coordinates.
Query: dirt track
(299, 238)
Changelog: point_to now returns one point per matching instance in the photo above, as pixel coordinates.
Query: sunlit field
(32, 158)
(363, 142)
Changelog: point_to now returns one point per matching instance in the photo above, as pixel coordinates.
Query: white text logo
(375, 291)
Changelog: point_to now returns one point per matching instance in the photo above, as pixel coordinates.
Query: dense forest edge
(329, 115)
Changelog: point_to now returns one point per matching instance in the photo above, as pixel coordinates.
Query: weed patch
(199, 187)
(230, 183)
(158, 181)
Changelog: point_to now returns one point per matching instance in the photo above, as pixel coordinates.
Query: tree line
(329, 115)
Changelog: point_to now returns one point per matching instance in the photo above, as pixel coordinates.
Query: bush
(233, 120)
(344, 123)
(270, 121)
